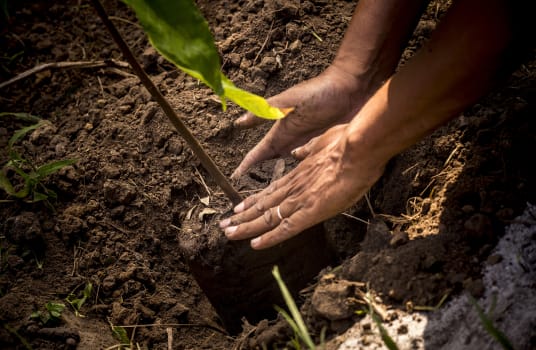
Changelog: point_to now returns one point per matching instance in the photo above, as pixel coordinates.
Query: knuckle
(268, 217)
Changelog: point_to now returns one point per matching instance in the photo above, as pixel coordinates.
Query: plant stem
(194, 144)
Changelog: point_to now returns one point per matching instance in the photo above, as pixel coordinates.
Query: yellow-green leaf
(178, 30)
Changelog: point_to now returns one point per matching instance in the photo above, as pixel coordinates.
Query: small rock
(234, 59)
(293, 32)
(71, 227)
(119, 192)
(468, 209)
(268, 64)
(494, 259)
(24, 229)
(149, 59)
(296, 46)
(475, 287)
(175, 146)
(108, 283)
(245, 63)
(44, 133)
(258, 73)
(331, 302)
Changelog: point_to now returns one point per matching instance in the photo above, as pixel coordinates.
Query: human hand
(333, 97)
(329, 180)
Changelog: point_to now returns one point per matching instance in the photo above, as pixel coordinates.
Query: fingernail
(239, 208)
(225, 222)
(293, 152)
(255, 242)
(239, 121)
(230, 230)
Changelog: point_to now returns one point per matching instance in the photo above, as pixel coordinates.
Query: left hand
(329, 180)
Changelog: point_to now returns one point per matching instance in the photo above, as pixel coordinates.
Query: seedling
(295, 319)
(78, 301)
(120, 334)
(52, 314)
(29, 177)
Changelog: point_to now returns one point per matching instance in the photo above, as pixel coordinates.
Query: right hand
(334, 97)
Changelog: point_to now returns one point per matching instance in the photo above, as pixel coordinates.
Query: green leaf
(120, 334)
(5, 184)
(38, 196)
(17, 135)
(180, 33)
(52, 167)
(296, 316)
(178, 30)
(26, 117)
(55, 309)
(253, 103)
(488, 325)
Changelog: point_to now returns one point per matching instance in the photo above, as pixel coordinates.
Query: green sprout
(77, 301)
(52, 314)
(295, 321)
(30, 176)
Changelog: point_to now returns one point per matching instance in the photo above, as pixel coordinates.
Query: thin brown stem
(196, 147)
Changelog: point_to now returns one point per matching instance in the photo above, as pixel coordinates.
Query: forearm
(457, 66)
(375, 38)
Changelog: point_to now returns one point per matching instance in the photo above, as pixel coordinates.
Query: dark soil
(137, 190)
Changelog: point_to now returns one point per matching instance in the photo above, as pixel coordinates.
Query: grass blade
(296, 316)
(52, 167)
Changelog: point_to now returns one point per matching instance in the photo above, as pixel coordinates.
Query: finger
(248, 120)
(287, 228)
(255, 206)
(266, 222)
(262, 151)
(302, 152)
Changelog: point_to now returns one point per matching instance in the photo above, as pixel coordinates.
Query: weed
(432, 308)
(386, 338)
(78, 301)
(488, 325)
(52, 314)
(295, 321)
(30, 177)
(125, 343)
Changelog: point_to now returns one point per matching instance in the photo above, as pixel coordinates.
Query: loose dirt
(137, 193)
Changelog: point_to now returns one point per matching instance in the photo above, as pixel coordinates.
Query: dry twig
(63, 65)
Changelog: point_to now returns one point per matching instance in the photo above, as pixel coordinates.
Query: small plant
(78, 301)
(125, 343)
(30, 185)
(386, 338)
(488, 325)
(51, 315)
(295, 321)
